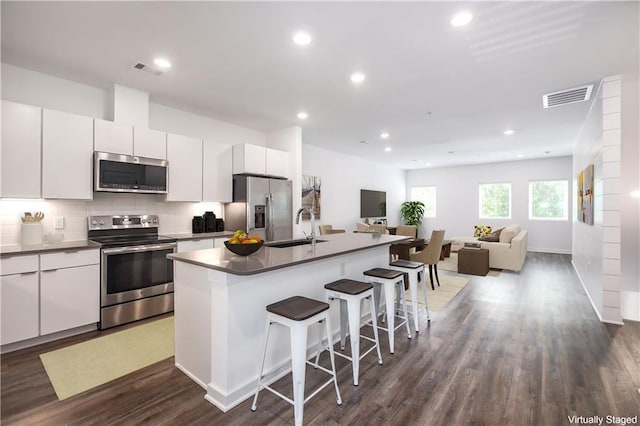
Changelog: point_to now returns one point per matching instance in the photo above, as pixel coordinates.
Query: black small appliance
(209, 222)
(197, 225)
(219, 225)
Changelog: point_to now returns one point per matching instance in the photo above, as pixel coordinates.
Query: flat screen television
(373, 203)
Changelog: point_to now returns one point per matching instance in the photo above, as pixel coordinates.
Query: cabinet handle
(71, 251)
(29, 273)
(50, 270)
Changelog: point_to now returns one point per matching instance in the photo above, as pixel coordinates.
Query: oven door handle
(138, 249)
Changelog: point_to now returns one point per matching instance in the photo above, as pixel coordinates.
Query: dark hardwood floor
(518, 349)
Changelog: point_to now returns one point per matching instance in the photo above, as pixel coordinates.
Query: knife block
(31, 233)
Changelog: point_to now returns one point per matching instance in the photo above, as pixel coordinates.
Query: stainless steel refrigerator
(262, 206)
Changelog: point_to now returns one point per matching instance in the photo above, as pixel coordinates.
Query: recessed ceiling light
(636, 194)
(520, 155)
(301, 38)
(428, 164)
(384, 135)
(162, 63)
(461, 19)
(358, 77)
(302, 115)
(387, 149)
(509, 132)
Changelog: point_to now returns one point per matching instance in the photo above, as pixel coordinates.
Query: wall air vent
(147, 68)
(569, 96)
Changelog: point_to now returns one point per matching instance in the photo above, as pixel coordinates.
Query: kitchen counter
(17, 249)
(270, 258)
(220, 304)
(190, 236)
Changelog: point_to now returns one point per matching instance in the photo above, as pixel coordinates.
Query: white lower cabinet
(69, 290)
(191, 245)
(69, 298)
(201, 244)
(19, 295)
(47, 293)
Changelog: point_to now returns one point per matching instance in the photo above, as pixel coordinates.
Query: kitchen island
(220, 301)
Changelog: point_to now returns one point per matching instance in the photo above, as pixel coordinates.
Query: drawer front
(191, 245)
(19, 264)
(68, 259)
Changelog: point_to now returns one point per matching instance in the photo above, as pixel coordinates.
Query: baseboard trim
(549, 250)
(35, 341)
(593, 305)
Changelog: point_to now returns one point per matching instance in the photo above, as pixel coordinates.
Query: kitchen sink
(291, 243)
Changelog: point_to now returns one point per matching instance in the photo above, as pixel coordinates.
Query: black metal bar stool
(351, 293)
(414, 270)
(389, 279)
(298, 313)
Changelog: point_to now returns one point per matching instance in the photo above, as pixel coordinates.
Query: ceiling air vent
(147, 68)
(569, 96)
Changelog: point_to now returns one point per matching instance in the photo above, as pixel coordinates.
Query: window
(549, 200)
(426, 194)
(495, 200)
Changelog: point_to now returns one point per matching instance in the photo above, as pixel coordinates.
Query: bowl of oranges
(242, 244)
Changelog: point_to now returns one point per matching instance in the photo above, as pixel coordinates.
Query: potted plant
(412, 212)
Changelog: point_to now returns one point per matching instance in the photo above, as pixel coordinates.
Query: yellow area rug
(77, 368)
(450, 285)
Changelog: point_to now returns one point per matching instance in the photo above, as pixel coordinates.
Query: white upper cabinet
(21, 148)
(111, 137)
(258, 160)
(249, 159)
(277, 162)
(67, 155)
(217, 172)
(185, 168)
(149, 143)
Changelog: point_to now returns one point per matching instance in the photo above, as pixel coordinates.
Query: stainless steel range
(136, 278)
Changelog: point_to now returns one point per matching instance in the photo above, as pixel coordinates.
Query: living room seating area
(509, 252)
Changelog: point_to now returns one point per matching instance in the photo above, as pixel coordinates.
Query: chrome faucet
(313, 223)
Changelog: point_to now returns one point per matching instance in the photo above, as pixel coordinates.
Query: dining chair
(328, 229)
(430, 255)
(407, 230)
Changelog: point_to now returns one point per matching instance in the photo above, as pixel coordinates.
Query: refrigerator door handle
(269, 224)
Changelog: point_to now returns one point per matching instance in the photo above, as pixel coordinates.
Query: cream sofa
(508, 253)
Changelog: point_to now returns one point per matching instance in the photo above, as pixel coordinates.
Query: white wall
(185, 123)
(343, 177)
(629, 206)
(457, 199)
(34, 88)
(605, 255)
(290, 140)
(588, 244)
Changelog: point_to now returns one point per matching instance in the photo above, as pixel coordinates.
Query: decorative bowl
(243, 249)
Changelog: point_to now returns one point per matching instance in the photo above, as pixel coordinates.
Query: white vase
(31, 233)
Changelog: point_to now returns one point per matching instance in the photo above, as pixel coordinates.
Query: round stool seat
(407, 264)
(297, 308)
(347, 286)
(387, 274)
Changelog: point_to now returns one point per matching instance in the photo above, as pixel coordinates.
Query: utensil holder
(31, 233)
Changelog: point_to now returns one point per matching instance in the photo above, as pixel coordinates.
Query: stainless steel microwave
(126, 173)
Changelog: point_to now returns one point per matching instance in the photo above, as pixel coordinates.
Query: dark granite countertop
(191, 236)
(270, 258)
(18, 249)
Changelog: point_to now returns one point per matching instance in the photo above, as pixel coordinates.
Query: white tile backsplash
(174, 217)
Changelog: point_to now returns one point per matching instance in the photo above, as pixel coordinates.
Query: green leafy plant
(412, 212)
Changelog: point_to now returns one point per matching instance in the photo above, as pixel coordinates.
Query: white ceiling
(433, 87)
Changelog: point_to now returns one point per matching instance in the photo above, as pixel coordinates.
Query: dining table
(402, 249)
